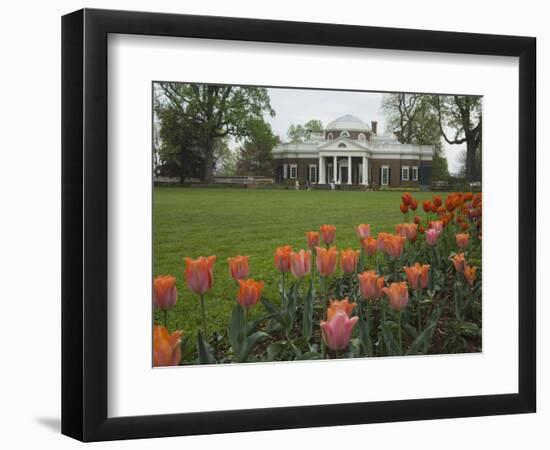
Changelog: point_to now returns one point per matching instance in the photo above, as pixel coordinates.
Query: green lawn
(225, 222)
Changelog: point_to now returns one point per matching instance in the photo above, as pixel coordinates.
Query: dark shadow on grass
(53, 423)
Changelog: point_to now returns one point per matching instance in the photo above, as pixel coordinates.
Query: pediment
(343, 144)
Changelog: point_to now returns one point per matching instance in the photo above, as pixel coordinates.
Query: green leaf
(249, 343)
(274, 350)
(389, 340)
(311, 355)
(272, 309)
(205, 355)
(308, 312)
(236, 326)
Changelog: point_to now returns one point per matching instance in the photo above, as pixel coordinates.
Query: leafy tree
(209, 113)
(463, 115)
(412, 118)
(300, 133)
(255, 153)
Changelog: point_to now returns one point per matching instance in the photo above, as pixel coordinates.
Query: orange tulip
(370, 284)
(326, 260)
(470, 273)
(165, 293)
(417, 275)
(300, 263)
(282, 258)
(407, 230)
(340, 305)
(363, 231)
(459, 262)
(198, 273)
(393, 245)
(166, 347)
(312, 239)
(238, 267)
(250, 292)
(348, 260)
(462, 240)
(369, 245)
(337, 331)
(327, 231)
(398, 295)
(380, 242)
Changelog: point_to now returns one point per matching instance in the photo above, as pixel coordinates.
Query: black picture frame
(84, 224)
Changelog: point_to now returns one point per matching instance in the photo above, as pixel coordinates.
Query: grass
(226, 222)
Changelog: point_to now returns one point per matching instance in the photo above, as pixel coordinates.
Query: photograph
(306, 224)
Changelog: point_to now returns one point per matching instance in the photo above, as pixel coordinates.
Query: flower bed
(414, 290)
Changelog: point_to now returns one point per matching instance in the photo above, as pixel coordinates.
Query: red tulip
(406, 198)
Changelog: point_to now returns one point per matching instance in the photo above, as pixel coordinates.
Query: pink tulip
(337, 331)
(363, 231)
(432, 236)
(300, 263)
(198, 273)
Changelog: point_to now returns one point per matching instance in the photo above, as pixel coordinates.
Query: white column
(365, 171)
(321, 171)
(334, 169)
(349, 169)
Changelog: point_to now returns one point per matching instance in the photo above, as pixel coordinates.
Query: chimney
(373, 126)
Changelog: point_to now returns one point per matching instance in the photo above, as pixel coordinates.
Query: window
(312, 173)
(362, 137)
(405, 173)
(414, 173)
(330, 137)
(344, 134)
(384, 175)
(293, 171)
(342, 145)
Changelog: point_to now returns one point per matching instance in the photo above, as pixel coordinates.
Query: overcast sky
(297, 106)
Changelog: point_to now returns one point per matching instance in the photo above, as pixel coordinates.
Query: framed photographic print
(265, 210)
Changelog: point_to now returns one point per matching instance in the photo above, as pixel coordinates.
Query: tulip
(340, 305)
(398, 295)
(165, 293)
(238, 267)
(300, 263)
(166, 347)
(421, 229)
(464, 226)
(436, 225)
(404, 208)
(437, 200)
(337, 331)
(369, 245)
(450, 203)
(416, 220)
(312, 239)
(414, 204)
(417, 275)
(370, 284)
(326, 260)
(198, 273)
(462, 240)
(250, 292)
(393, 245)
(327, 231)
(382, 236)
(406, 198)
(432, 236)
(470, 274)
(459, 262)
(348, 260)
(408, 230)
(427, 206)
(282, 258)
(363, 231)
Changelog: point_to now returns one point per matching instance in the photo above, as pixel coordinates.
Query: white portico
(349, 152)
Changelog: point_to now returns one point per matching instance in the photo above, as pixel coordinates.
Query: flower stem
(399, 334)
(417, 292)
(204, 328)
(165, 316)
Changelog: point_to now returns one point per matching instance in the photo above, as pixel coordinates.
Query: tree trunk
(471, 147)
(209, 161)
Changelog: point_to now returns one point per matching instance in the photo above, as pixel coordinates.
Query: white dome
(348, 122)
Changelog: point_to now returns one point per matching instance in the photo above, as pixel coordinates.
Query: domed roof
(348, 122)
